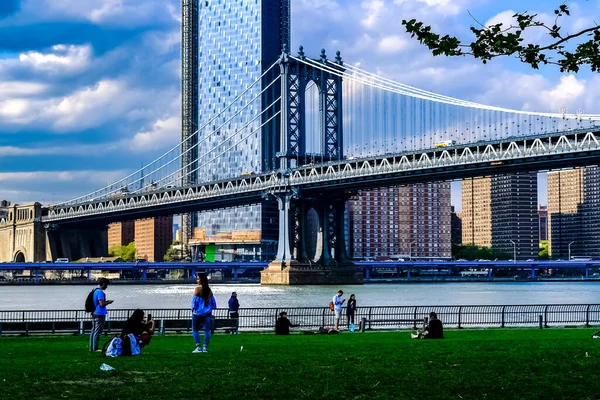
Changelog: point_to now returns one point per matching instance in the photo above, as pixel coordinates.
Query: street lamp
(570, 250)
(514, 252)
(410, 249)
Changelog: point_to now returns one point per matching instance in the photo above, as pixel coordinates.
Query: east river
(254, 295)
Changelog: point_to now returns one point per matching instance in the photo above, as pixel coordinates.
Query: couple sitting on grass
(433, 330)
(136, 334)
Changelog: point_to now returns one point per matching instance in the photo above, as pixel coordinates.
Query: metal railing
(169, 320)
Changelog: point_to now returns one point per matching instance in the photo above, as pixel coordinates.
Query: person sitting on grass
(142, 330)
(434, 329)
(283, 324)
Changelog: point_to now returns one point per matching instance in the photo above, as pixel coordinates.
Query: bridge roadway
(366, 266)
(527, 153)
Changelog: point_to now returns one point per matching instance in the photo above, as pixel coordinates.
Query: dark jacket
(234, 304)
(351, 307)
(435, 329)
(283, 325)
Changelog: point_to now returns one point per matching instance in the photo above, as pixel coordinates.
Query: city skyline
(76, 76)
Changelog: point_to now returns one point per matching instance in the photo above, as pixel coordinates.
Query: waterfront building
(501, 212)
(456, 226)
(121, 233)
(226, 46)
(543, 216)
(574, 213)
(153, 237)
(401, 222)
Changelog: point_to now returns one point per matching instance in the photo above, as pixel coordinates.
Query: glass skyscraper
(237, 42)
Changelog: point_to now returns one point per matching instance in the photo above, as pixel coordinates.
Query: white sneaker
(204, 350)
(197, 350)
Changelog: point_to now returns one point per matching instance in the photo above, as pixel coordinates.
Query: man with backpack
(96, 304)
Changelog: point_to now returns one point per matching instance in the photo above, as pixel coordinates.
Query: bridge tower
(293, 264)
(22, 235)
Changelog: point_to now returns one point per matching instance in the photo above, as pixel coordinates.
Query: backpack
(331, 306)
(89, 302)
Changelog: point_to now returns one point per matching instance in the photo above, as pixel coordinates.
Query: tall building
(456, 226)
(477, 211)
(574, 213)
(404, 221)
(153, 237)
(543, 217)
(501, 212)
(237, 41)
(121, 233)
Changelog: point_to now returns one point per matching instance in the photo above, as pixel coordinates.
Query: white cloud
(164, 134)
(13, 89)
(568, 91)
(62, 57)
(374, 12)
(447, 7)
(87, 176)
(393, 44)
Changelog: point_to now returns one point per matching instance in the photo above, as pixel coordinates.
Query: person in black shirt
(283, 324)
(435, 329)
(351, 308)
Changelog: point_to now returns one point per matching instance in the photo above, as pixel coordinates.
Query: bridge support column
(292, 265)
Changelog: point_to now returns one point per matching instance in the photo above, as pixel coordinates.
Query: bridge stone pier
(294, 263)
(22, 235)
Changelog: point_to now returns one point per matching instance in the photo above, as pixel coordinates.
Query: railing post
(162, 327)
(587, 318)
(546, 316)
(363, 322)
(541, 321)
(324, 310)
(459, 317)
(503, 308)
(0, 329)
(415, 318)
(370, 313)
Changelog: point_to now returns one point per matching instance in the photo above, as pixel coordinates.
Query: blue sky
(90, 89)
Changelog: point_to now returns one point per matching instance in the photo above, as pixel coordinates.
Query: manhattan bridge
(330, 129)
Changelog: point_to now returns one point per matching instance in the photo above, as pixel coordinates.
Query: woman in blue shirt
(203, 302)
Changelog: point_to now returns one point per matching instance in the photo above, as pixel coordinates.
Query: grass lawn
(468, 364)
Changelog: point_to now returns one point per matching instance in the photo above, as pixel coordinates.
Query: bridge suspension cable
(124, 183)
(382, 116)
(180, 174)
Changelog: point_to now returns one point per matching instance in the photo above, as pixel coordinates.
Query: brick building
(153, 237)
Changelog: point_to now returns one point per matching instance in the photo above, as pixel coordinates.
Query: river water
(254, 295)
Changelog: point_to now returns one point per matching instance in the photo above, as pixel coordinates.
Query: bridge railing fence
(380, 317)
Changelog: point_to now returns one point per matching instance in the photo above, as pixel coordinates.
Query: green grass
(468, 364)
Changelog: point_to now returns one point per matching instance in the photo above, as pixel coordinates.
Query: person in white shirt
(337, 307)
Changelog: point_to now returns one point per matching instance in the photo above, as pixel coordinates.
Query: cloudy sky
(90, 89)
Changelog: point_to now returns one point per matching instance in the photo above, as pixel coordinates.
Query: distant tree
(543, 254)
(472, 252)
(173, 253)
(569, 51)
(127, 253)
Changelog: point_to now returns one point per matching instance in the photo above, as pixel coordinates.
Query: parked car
(62, 260)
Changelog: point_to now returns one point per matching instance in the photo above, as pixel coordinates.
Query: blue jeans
(97, 326)
(201, 322)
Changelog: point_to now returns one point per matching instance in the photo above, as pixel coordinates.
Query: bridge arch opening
(312, 118)
(19, 257)
(313, 236)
